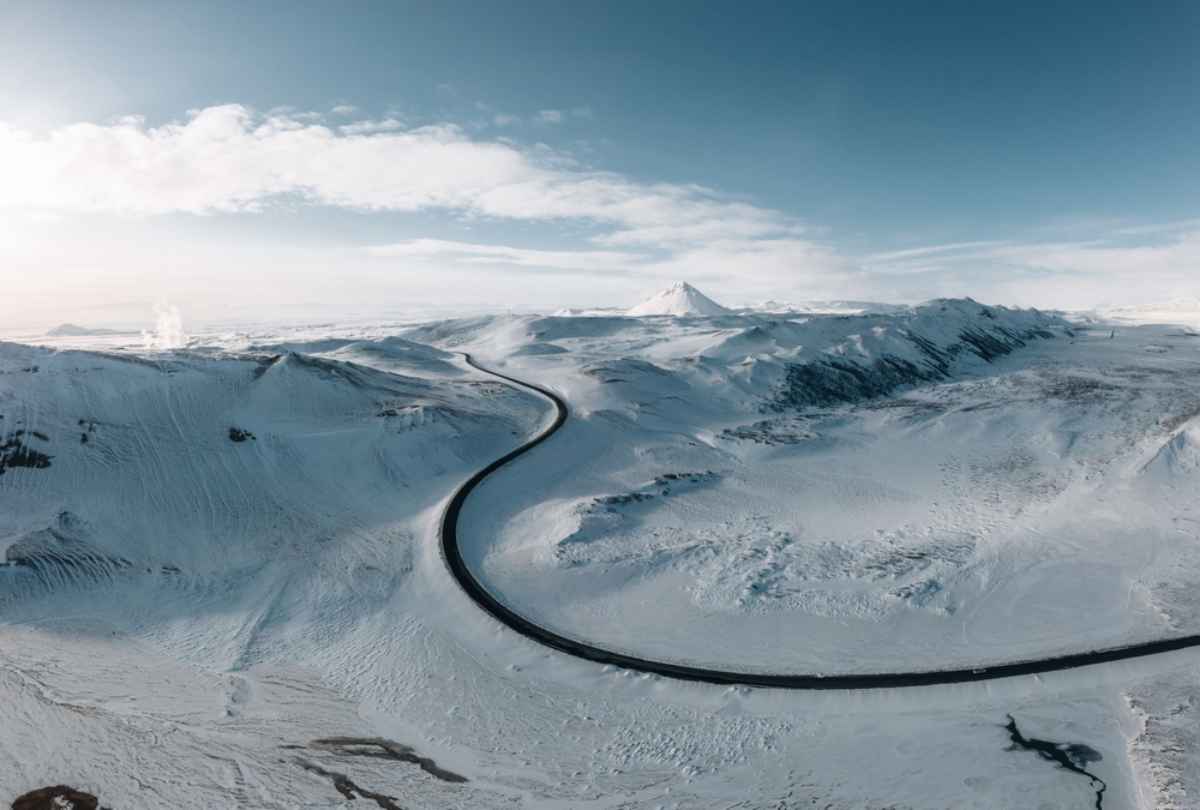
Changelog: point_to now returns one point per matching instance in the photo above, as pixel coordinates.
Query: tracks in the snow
(872, 680)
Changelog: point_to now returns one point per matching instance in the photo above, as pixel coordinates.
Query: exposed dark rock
(836, 381)
(15, 453)
(56, 797)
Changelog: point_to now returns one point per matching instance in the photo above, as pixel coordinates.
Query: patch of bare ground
(56, 797)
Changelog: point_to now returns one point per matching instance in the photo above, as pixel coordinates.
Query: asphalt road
(874, 680)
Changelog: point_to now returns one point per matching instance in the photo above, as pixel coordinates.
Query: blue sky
(359, 157)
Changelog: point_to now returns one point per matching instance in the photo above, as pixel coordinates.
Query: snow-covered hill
(221, 587)
(74, 330)
(681, 300)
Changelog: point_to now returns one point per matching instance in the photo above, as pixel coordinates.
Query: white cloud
(344, 109)
(229, 159)
(232, 159)
(505, 120)
(472, 253)
(550, 116)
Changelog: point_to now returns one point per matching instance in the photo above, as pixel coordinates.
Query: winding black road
(873, 680)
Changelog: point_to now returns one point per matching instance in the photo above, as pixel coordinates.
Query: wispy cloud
(929, 250)
(369, 127)
(1178, 226)
(560, 116)
(472, 253)
(1132, 264)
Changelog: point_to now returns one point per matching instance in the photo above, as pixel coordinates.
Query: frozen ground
(222, 584)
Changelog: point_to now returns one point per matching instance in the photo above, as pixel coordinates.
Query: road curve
(808, 681)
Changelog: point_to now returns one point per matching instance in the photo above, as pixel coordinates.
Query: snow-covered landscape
(222, 583)
(599, 406)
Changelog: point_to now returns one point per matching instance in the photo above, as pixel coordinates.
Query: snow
(74, 330)
(187, 619)
(680, 300)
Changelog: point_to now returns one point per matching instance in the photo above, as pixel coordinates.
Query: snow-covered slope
(74, 330)
(826, 307)
(189, 471)
(681, 300)
(221, 584)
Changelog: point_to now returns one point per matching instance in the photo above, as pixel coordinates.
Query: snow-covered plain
(223, 587)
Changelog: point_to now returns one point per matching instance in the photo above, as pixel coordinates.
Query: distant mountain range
(74, 330)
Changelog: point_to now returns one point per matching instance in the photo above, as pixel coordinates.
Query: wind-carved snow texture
(58, 557)
(601, 515)
(1165, 749)
(753, 568)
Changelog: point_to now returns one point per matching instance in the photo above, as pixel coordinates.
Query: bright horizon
(245, 166)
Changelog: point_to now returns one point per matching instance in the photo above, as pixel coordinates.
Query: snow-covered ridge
(74, 330)
(754, 361)
(928, 343)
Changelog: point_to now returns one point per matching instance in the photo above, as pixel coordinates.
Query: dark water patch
(15, 453)
(56, 797)
(1068, 756)
(345, 786)
(381, 748)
